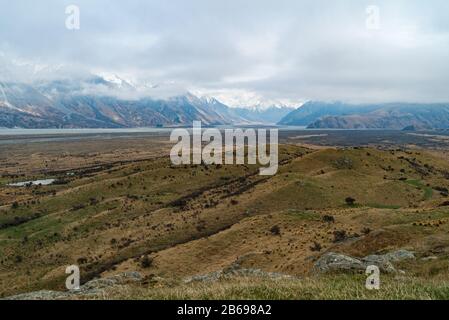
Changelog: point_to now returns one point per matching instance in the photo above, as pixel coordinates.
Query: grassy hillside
(175, 222)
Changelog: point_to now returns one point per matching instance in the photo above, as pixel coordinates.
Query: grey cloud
(290, 49)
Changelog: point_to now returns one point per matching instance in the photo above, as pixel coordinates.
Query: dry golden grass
(199, 219)
(336, 287)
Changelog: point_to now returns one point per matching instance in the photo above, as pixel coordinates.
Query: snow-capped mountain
(265, 115)
(248, 100)
(118, 81)
(102, 101)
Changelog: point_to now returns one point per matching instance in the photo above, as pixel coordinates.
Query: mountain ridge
(91, 104)
(397, 116)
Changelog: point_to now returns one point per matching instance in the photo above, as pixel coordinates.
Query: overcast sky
(240, 49)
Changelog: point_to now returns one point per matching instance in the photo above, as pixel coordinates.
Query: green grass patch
(428, 191)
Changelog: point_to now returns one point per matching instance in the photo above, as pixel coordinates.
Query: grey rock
(235, 270)
(119, 279)
(336, 262)
(224, 274)
(331, 262)
(400, 255)
(381, 261)
(90, 288)
(41, 295)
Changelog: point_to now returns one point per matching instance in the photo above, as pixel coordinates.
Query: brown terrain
(118, 205)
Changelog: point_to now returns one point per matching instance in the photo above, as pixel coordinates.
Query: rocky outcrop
(92, 288)
(336, 262)
(400, 255)
(236, 270)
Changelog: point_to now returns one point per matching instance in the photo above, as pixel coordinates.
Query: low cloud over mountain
(112, 102)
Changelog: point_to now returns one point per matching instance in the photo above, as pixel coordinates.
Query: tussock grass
(225, 213)
(337, 287)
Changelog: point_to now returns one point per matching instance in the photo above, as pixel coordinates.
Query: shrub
(81, 260)
(339, 235)
(444, 204)
(344, 163)
(316, 246)
(350, 201)
(441, 189)
(366, 231)
(77, 207)
(275, 230)
(146, 262)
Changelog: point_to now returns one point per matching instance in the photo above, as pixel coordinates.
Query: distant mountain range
(102, 102)
(73, 104)
(338, 115)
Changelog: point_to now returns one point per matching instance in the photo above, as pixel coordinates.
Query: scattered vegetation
(339, 235)
(316, 246)
(189, 217)
(275, 230)
(335, 287)
(146, 262)
(350, 201)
